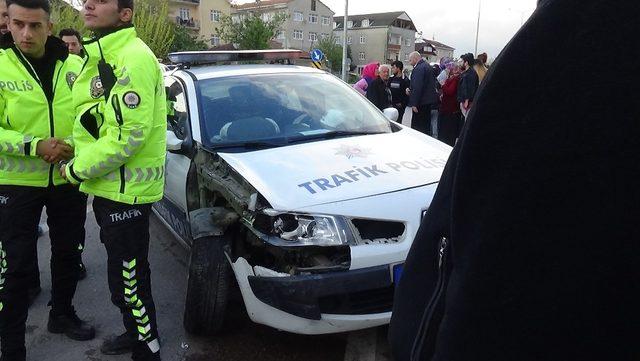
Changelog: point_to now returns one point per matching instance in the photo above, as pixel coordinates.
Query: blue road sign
(317, 55)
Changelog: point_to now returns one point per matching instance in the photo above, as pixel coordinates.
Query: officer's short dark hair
(70, 32)
(125, 4)
(398, 64)
(32, 4)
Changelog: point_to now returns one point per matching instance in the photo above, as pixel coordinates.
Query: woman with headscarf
(449, 119)
(369, 74)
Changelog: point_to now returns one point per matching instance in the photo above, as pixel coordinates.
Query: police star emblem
(97, 90)
(353, 151)
(71, 78)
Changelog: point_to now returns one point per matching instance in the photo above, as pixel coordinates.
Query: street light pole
(344, 40)
(478, 27)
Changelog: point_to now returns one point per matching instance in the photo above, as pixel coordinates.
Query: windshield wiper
(253, 144)
(332, 134)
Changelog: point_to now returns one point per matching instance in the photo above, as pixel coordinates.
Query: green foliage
(251, 31)
(184, 40)
(332, 52)
(153, 25)
(65, 16)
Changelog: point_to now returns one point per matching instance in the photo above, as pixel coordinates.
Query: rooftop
(396, 18)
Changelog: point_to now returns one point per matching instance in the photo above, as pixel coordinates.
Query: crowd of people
(73, 117)
(439, 96)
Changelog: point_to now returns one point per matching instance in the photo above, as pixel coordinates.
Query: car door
(173, 207)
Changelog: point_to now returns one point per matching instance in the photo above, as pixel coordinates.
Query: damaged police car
(286, 180)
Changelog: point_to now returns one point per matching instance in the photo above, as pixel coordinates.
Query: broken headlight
(311, 230)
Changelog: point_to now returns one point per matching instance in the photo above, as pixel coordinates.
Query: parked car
(288, 181)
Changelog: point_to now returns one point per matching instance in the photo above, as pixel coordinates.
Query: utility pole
(478, 27)
(344, 40)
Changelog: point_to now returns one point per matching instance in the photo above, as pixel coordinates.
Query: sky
(452, 22)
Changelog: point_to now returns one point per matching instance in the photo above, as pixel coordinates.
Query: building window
(407, 42)
(348, 40)
(298, 35)
(313, 37)
(313, 18)
(215, 40)
(184, 14)
(365, 23)
(326, 21)
(313, 5)
(298, 16)
(266, 17)
(280, 35)
(215, 15)
(363, 39)
(361, 56)
(406, 56)
(338, 40)
(349, 24)
(324, 36)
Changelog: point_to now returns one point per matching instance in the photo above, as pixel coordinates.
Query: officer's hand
(415, 109)
(53, 150)
(63, 171)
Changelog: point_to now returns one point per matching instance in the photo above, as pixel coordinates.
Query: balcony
(195, 2)
(188, 23)
(395, 46)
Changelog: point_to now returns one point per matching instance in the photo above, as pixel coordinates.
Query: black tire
(208, 286)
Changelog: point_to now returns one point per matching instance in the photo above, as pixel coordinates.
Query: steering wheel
(302, 119)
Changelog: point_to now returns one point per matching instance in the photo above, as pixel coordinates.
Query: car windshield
(280, 109)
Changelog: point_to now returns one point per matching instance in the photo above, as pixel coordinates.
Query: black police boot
(72, 326)
(141, 352)
(32, 294)
(118, 345)
(82, 271)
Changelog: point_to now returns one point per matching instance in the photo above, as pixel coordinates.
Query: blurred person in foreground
(530, 247)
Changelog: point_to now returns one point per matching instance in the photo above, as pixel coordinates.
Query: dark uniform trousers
(20, 210)
(421, 121)
(124, 230)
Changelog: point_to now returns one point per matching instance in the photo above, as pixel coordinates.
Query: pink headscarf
(369, 71)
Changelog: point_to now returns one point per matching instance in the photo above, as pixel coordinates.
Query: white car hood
(326, 171)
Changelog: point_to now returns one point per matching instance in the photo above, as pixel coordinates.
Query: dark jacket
(539, 207)
(468, 86)
(379, 94)
(423, 85)
(399, 86)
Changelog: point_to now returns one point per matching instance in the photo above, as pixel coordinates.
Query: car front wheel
(208, 286)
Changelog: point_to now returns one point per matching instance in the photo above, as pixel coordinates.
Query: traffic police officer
(36, 77)
(120, 139)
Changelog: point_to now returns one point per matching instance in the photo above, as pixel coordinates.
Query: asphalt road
(242, 340)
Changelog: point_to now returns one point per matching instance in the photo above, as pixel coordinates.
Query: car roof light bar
(213, 57)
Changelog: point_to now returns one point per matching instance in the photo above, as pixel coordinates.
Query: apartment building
(382, 37)
(308, 20)
(200, 16)
(432, 51)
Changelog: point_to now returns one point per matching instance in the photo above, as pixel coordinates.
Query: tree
(153, 25)
(332, 52)
(65, 16)
(184, 40)
(250, 31)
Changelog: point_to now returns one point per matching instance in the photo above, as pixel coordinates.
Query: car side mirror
(173, 142)
(391, 114)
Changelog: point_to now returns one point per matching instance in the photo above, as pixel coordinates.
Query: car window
(177, 114)
(283, 106)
